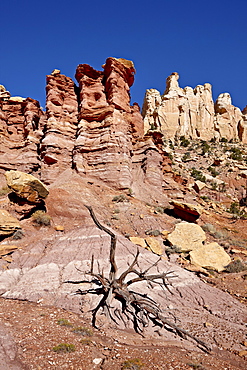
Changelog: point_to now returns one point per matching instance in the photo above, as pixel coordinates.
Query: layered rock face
(108, 126)
(91, 128)
(21, 123)
(192, 113)
(60, 128)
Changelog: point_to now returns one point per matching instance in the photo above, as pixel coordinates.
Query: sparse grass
(133, 364)
(184, 142)
(217, 234)
(64, 322)
(41, 218)
(236, 154)
(64, 347)
(213, 171)
(237, 211)
(82, 330)
(236, 266)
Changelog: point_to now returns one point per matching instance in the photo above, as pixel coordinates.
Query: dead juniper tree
(139, 308)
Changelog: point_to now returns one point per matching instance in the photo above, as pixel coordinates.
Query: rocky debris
(211, 256)
(187, 236)
(60, 129)
(8, 223)
(186, 211)
(26, 186)
(192, 113)
(199, 185)
(138, 241)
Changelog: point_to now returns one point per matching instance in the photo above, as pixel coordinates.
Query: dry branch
(139, 308)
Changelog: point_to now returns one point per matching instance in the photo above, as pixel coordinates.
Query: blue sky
(204, 41)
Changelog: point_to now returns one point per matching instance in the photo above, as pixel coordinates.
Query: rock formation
(192, 113)
(91, 128)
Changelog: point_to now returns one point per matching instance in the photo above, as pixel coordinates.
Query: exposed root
(139, 308)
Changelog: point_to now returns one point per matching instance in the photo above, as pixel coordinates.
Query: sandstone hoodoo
(192, 113)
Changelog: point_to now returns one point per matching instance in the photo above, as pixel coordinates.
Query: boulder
(26, 186)
(138, 241)
(187, 236)
(154, 246)
(211, 256)
(186, 211)
(8, 223)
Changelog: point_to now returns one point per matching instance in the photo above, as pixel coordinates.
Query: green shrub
(213, 171)
(223, 140)
(41, 218)
(184, 142)
(134, 364)
(205, 147)
(198, 175)
(63, 322)
(64, 347)
(236, 154)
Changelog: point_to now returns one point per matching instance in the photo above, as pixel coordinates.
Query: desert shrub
(184, 142)
(134, 364)
(206, 198)
(152, 232)
(209, 228)
(205, 147)
(236, 154)
(120, 198)
(82, 330)
(159, 209)
(4, 191)
(214, 232)
(214, 186)
(64, 347)
(86, 342)
(41, 218)
(186, 156)
(237, 211)
(198, 175)
(223, 140)
(213, 171)
(63, 322)
(196, 366)
(18, 234)
(236, 266)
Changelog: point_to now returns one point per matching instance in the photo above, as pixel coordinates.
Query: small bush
(85, 332)
(196, 366)
(237, 211)
(120, 198)
(198, 175)
(135, 364)
(236, 266)
(152, 232)
(236, 154)
(205, 147)
(223, 140)
(186, 156)
(184, 142)
(213, 171)
(63, 322)
(64, 347)
(41, 218)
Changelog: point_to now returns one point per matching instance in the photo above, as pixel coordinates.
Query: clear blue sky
(204, 41)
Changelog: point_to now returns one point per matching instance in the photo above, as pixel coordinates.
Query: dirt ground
(37, 329)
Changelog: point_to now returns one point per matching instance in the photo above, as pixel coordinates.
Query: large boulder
(8, 223)
(211, 256)
(26, 186)
(186, 211)
(187, 236)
